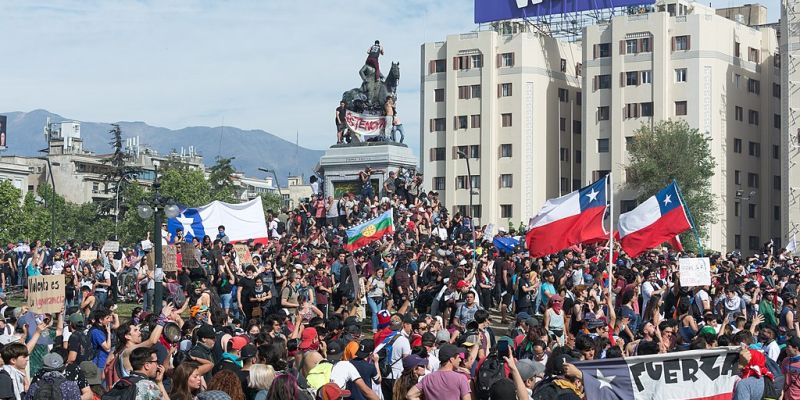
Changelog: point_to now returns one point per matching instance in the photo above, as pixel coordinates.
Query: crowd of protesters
(423, 313)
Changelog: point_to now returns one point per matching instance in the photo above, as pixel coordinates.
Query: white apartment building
(683, 61)
(509, 100)
(790, 97)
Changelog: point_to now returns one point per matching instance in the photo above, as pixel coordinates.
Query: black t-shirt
(6, 386)
(342, 112)
(247, 286)
(76, 343)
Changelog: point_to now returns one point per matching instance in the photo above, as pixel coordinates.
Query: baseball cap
(523, 316)
(442, 336)
(529, 368)
(428, 339)
(365, 348)
(76, 318)
(206, 332)
(448, 351)
(52, 361)
(91, 372)
(413, 360)
(332, 391)
(307, 339)
(248, 351)
(238, 342)
(384, 318)
(335, 350)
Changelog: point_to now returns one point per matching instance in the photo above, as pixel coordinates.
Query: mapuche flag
(653, 222)
(568, 220)
(370, 231)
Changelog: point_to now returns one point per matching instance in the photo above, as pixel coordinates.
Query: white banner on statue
(695, 271)
(365, 125)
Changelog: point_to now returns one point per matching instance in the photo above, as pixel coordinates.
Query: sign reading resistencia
(499, 10)
(364, 124)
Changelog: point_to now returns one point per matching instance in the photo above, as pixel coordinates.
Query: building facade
(509, 101)
(790, 106)
(682, 61)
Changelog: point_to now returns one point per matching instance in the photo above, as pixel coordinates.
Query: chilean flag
(568, 220)
(653, 222)
(243, 222)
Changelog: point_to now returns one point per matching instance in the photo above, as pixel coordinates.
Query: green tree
(221, 181)
(119, 174)
(271, 202)
(36, 217)
(673, 150)
(133, 228)
(187, 186)
(10, 212)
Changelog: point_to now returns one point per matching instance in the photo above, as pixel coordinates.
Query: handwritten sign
(88, 255)
(170, 254)
(243, 254)
(365, 124)
(110, 245)
(146, 245)
(189, 255)
(46, 293)
(695, 271)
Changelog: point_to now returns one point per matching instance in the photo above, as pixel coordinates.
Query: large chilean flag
(653, 222)
(568, 220)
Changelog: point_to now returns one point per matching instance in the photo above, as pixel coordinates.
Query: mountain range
(251, 149)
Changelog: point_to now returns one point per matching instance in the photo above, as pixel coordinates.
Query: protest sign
(696, 374)
(170, 254)
(243, 254)
(88, 255)
(46, 293)
(190, 255)
(146, 245)
(110, 245)
(695, 271)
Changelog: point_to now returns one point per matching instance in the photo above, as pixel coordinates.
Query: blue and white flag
(244, 221)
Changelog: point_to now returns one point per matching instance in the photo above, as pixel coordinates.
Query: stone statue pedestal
(342, 162)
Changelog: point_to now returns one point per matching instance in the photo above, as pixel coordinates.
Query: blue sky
(280, 66)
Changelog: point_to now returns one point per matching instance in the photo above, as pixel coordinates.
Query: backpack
(54, 386)
(87, 350)
(773, 387)
(124, 389)
(281, 227)
(385, 353)
(491, 371)
(771, 391)
(111, 371)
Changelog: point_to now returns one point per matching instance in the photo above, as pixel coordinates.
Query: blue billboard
(498, 10)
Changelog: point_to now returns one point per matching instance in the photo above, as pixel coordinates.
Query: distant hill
(252, 149)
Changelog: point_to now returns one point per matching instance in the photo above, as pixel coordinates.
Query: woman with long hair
(186, 381)
(652, 312)
(414, 367)
(284, 387)
(227, 381)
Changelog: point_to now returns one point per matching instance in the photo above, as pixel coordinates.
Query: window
(476, 211)
(632, 78)
(597, 174)
(754, 86)
(464, 92)
(776, 213)
(752, 117)
(752, 55)
(646, 109)
(739, 113)
(680, 75)
(475, 121)
(602, 82)
(477, 61)
(754, 242)
(475, 151)
(754, 149)
(461, 122)
(563, 95)
(504, 90)
(602, 145)
(776, 152)
(737, 241)
(631, 46)
(460, 149)
(506, 60)
(576, 127)
(562, 124)
(438, 183)
(505, 150)
(776, 121)
(476, 91)
(736, 207)
(737, 49)
(752, 180)
(579, 69)
(563, 65)
(505, 120)
(737, 80)
(506, 211)
(629, 142)
(644, 45)
(576, 184)
(461, 182)
(506, 180)
(438, 95)
(602, 113)
(737, 177)
(776, 60)
(95, 187)
(437, 125)
(680, 108)
(436, 66)
(631, 110)
(776, 90)
(681, 43)
(602, 50)
(564, 154)
(578, 156)
(564, 184)
(461, 62)
(776, 182)
(737, 145)
(647, 76)
(437, 154)
(627, 205)
(578, 98)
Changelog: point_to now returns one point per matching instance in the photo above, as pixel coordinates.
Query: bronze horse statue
(372, 94)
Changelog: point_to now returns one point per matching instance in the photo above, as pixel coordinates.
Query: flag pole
(610, 180)
(691, 219)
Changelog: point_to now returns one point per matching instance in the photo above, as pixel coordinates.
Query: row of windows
(465, 121)
(754, 149)
(754, 242)
(472, 151)
(635, 110)
(476, 61)
(467, 92)
(505, 210)
(641, 45)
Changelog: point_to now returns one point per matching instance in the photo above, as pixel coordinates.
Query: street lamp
(471, 192)
(153, 207)
(277, 185)
(743, 199)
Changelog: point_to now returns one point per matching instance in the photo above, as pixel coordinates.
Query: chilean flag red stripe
(569, 220)
(655, 221)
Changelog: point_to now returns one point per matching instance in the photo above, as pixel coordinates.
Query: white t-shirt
(773, 351)
(400, 348)
(647, 292)
(344, 372)
(700, 297)
(273, 229)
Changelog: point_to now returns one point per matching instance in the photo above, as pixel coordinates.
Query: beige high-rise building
(683, 61)
(510, 100)
(790, 96)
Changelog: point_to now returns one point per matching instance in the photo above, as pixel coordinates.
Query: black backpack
(87, 350)
(773, 388)
(49, 389)
(384, 354)
(124, 389)
(281, 227)
(491, 371)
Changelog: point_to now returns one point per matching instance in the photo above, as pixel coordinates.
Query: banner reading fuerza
(685, 375)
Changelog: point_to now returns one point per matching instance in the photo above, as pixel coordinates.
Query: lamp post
(743, 199)
(153, 207)
(471, 192)
(277, 185)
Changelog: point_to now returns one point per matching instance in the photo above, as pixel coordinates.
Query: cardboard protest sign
(695, 271)
(170, 258)
(146, 245)
(88, 255)
(110, 245)
(243, 254)
(190, 255)
(46, 293)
